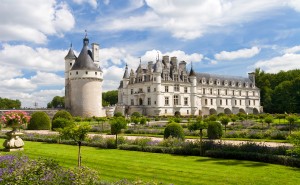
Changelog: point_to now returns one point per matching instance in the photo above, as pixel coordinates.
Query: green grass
(117, 164)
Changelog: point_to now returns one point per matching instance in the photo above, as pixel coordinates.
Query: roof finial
(85, 33)
(157, 55)
(140, 60)
(71, 45)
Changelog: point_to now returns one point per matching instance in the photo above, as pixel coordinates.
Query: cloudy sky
(230, 37)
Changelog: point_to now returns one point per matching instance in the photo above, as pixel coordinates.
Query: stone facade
(167, 88)
(83, 82)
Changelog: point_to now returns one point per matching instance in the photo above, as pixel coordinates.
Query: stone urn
(13, 141)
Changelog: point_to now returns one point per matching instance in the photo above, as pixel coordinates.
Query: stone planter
(13, 141)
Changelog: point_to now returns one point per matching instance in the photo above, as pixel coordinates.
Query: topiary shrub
(39, 121)
(214, 130)
(174, 130)
(62, 114)
(61, 123)
(136, 114)
(118, 114)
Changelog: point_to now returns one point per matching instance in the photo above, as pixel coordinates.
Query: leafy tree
(269, 119)
(62, 114)
(109, 98)
(143, 121)
(174, 130)
(77, 133)
(61, 123)
(39, 121)
(116, 125)
(294, 138)
(224, 121)
(233, 118)
(214, 130)
(102, 120)
(57, 102)
(291, 119)
(198, 124)
(6, 103)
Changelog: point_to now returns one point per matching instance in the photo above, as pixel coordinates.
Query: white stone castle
(83, 82)
(167, 88)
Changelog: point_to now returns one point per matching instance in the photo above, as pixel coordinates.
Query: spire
(126, 75)
(192, 73)
(157, 55)
(85, 40)
(70, 54)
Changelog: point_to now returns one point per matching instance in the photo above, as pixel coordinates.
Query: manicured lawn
(187, 170)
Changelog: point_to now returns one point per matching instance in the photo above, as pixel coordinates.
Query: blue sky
(230, 37)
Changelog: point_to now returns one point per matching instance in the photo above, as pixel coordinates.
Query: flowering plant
(15, 119)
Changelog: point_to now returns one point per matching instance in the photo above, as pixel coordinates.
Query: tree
(116, 126)
(295, 140)
(224, 121)
(233, 118)
(39, 121)
(57, 102)
(291, 119)
(214, 130)
(198, 124)
(77, 133)
(102, 120)
(174, 130)
(109, 98)
(6, 103)
(269, 119)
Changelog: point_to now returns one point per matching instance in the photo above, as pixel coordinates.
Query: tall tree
(109, 98)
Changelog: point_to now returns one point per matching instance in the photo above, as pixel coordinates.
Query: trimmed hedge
(251, 156)
(62, 114)
(174, 130)
(39, 121)
(214, 130)
(61, 123)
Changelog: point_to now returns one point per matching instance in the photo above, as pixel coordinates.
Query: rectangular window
(254, 102)
(240, 93)
(233, 92)
(140, 90)
(186, 100)
(131, 91)
(205, 101)
(149, 101)
(226, 101)
(166, 77)
(95, 73)
(211, 101)
(166, 111)
(203, 90)
(211, 91)
(240, 102)
(185, 89)
(154, 79)
(148, 89)
(187, 112)
(235, 102)
(166, 100)
(226, 92)
(176, 100)
(218, 91)
(166, 88)
(220, 102)
(132, 102)
(176, 87)
(249, 102)
(185, 78)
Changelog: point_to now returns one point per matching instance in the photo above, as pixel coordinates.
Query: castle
(167, 88)
(83, 82)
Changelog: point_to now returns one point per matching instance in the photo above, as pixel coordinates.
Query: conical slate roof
(84, 60)
(192, 73)
(126, 75)
(70, 54)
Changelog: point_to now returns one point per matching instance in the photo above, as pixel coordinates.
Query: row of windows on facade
(225, 83)
(166, 77)
(176, 101)
(176, 88)
(85, 73)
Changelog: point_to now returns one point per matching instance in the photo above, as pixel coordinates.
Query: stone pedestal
(13, 142)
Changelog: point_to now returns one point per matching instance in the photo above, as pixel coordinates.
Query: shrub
(143, 121)
(214, 130)
(136, 114)
(39, 121)
(174, 130)
(62, 114)
(61, 123)
(118, 114)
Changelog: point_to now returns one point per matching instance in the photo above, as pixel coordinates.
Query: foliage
(39, 121)
(61, 123)
(174, 119)
(279, 92)
(291, 119)
(116, 125)
(269, 119)
(57, 102)
(174, 130)
(62, 114)
(109, 98)
(118, 114)
(143, 120)
(136, 114)
(22, 171)
(76, 132)
(6, 103)
(224, 121)
(294, 138)
(15, 119)
(214, 130)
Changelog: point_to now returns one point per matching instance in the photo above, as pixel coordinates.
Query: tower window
(86, 72)
(70, 63)
(166, 100)
(95, 73)
(77, 72)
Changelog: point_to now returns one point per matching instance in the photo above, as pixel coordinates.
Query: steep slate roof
(222, 78)
(84, 60)
(70, 54)
(126, 75)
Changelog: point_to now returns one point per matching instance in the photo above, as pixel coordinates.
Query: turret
(69, 61)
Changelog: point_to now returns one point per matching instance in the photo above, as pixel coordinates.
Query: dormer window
(211, 81)
(225, 82)
(203, 81)
(240, 84)
(86, 72)
(246, 84)
(232, 83)
(218, 82)
(77, 72)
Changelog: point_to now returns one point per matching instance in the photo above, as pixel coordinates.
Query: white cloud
(286, 62)
(112, 77)
(92, 3)
(33, 20)
(242, 53)
(18, 84)
(47, 79)
(188, 20)
(106, 2)
(294, 49)
(25, 57)
(10, 72)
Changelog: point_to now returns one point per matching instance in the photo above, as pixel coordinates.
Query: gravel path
(269, 144)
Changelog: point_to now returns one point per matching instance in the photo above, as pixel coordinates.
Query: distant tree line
(280, 92)
(108, 98)
(6, 103)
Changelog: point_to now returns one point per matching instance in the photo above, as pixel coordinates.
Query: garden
(181, 150)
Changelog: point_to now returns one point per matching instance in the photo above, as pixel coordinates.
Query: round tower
(85, 85)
